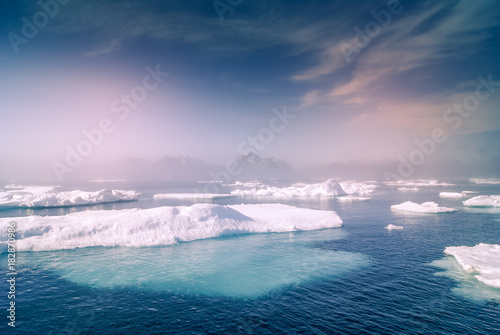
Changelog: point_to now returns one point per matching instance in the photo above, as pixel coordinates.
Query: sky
(310, 82)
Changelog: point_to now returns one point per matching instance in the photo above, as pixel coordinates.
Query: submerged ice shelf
(48, 196)
(426, 207)
(483, 259)
(160, 225)
(243, 266)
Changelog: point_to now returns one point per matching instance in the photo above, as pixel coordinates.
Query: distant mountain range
(249, 166)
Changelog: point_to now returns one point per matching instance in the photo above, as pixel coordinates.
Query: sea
(358, 279)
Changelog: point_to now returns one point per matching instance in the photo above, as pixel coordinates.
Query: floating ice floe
(408, 189)
(349, 198)
(391, 227)
(482, 258)
(491, 181)
(483, 201)
(108, 180)
(463, 194)
(426, 207)
(160, 225)
(329, 188)
(47, 196)
(247, 184)
(201, 196)
(417, 182)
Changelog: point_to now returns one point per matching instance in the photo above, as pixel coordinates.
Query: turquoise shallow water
(352, 280)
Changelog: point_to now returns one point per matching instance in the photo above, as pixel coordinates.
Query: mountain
(175, 168)
(256, 167)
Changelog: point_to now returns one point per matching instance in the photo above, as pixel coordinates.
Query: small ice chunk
(426, 207)
(391, 227)
(482, 258)
(483, 201)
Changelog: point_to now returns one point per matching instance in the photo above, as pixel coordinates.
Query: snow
(47, 196)
(417, 182)
(161, 225)
(391, 227)
(482, 258)
(483, 201)
(208, 196)
(426, 207)
(491, 181)
(329, 188)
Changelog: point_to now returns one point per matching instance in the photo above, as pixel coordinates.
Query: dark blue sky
(365, 80)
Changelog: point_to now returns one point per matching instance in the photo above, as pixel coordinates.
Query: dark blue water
(396, 291)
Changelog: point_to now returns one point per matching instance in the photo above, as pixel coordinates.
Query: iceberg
(160, 225)
(391, 227)
(47, 196)
(483, 201)
(426, 207)
(329, 188)
(483, 259)
(194, 196)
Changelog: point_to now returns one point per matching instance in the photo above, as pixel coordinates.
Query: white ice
(161, 225)
(329, 188)
(391, 227)
(483, 259)
(196, 196)
(483, 201)
(47, 196)
(426, 207)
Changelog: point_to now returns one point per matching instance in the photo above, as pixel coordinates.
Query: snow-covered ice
(482, 258)
(391, 227)
(483, 201)
(161, 225)
(200, 196)
(426, 207)
(47, 196)
(329, 188)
